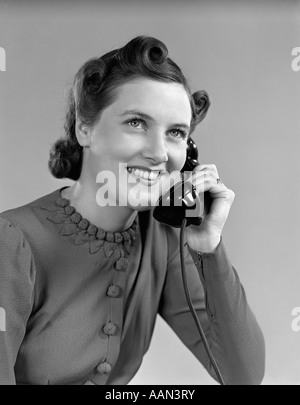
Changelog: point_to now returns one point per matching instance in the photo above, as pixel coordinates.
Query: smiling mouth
(149, 175)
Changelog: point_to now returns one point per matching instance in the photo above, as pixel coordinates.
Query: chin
(144, 200)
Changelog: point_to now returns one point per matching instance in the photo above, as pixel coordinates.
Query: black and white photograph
(149, 194)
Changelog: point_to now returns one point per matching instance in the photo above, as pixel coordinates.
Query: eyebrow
(148, 117)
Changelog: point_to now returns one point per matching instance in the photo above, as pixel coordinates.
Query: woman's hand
(206, 236)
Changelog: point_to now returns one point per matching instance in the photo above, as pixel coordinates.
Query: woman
(85, 270)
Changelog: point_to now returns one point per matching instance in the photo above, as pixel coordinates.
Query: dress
(81, 303)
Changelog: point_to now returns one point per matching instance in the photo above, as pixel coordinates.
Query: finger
(207, 170)
(206, 181)
(210, 167)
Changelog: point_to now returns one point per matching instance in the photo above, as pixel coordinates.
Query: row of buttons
(110, 328)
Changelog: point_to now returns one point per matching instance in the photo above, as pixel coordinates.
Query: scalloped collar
(82, 231)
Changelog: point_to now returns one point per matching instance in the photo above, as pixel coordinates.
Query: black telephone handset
(174, 205)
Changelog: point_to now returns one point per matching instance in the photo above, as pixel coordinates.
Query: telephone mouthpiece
(180, 202)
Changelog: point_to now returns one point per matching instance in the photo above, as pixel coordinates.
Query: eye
(136, 122)
(178, 133)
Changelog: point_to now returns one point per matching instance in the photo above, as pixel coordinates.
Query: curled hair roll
(143, 51)
(65, 159)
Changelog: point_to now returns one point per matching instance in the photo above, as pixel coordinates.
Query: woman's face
(138, 140)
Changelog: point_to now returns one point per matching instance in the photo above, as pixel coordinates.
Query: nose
(155, 148)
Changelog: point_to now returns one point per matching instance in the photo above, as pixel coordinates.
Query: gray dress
(81, 303)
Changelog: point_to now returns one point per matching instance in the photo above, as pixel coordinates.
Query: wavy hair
(94, 89)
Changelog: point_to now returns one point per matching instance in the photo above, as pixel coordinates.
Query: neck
(82, 197)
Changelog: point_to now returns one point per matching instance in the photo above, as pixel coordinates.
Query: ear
(202, 103)
(82, 133)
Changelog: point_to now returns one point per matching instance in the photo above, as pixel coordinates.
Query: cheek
(177, 157)
(108, 157)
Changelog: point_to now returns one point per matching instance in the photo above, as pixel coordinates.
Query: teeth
(143, 173)
(153, 176)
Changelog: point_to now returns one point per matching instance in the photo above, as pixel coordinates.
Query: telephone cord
(192, 309)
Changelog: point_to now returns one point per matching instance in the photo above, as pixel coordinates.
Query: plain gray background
(240, 53)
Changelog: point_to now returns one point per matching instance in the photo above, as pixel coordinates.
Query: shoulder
(15, 253)
(17, 276)
(9, 234)
(28, 216)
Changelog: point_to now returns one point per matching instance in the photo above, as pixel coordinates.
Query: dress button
(104, 368)
(113, 291)
(121, 264)
(109, 328)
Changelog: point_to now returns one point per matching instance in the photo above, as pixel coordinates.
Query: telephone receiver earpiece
(181, 201)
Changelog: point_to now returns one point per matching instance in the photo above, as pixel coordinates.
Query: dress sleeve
(17, 272)
(229, 324)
